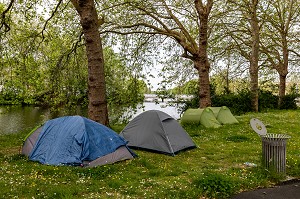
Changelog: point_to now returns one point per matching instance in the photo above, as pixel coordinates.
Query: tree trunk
(283, 70)
(282, 86)
(201, 62)
(253, 70)
(204, 88)
(227, 89)
(97, 108)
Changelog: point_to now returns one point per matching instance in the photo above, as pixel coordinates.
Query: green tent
(205, 117)
(223, 115)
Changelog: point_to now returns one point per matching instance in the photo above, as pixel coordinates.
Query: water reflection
(170, 109)
(14, 119)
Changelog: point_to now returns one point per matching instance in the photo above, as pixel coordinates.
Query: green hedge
(240, 103)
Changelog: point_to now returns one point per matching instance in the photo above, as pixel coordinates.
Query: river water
(14, 119)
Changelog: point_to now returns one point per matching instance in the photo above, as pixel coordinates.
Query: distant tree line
(239, 102)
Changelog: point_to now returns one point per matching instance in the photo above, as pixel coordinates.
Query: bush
(267, 100)
(289, 102)
(240, 102)
(237, 103)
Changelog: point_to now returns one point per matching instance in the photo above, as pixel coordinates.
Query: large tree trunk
(253, 70)
(201, 62)
(97, 109)
(204, 88)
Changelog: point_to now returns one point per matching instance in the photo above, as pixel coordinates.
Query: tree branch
(296, 53)
(52, 15)
(181, 27)
(3, 22)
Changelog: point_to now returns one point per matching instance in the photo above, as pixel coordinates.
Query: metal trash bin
(274, 152)
(273, 147)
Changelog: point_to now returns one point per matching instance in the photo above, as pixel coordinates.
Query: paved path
(289, 190)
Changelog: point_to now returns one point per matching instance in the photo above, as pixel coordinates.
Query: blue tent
(75, 140)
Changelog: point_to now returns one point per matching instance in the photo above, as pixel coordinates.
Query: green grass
(215, 169)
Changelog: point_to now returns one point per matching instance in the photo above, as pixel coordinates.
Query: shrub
(289, 102)
(237, 103)
(267, 100)
(240, 103)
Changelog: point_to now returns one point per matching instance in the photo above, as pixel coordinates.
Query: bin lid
(258, 127)
(276, 137)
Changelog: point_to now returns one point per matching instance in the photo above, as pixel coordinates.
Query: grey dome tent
(75, 140)
(158, 132)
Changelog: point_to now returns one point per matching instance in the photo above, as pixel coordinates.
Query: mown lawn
(215, 169)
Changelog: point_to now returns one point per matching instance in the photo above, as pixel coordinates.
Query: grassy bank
(215, 169)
